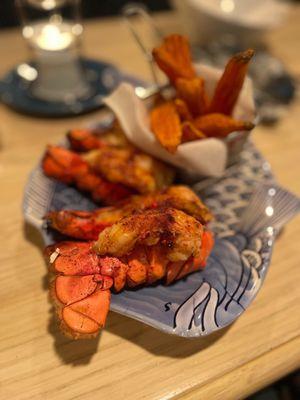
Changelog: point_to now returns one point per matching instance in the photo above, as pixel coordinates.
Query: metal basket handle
(140, 10)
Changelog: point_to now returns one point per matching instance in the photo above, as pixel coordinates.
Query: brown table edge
(252, 376)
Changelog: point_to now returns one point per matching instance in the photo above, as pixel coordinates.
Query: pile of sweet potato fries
(192, 115)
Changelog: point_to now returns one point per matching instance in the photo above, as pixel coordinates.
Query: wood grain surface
(130, 360)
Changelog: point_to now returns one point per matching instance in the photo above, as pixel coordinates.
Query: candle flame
(51, 38)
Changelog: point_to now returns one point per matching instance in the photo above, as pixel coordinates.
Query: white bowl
(208, 20)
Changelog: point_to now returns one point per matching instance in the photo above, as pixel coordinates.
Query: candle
(54, 44)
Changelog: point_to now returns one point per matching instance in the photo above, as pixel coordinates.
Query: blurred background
(90, 9)
(217, 29)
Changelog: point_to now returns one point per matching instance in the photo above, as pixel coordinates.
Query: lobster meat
(139, 249)
(82, 140)
(70, 168)
(109, 172)
(149, 232)
(86, 225)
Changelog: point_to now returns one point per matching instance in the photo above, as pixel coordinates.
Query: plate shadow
(158, 342)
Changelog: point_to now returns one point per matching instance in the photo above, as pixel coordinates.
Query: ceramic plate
(101, 76)
(249, 209)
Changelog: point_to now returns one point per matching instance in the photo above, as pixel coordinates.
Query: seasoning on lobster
(109, 173)
(140, 249)
(86, 225)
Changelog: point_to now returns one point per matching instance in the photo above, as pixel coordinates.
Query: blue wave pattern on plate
(249, 209)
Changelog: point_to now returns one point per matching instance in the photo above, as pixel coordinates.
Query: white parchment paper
(206, 157)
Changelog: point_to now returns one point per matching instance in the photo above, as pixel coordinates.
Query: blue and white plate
(249, 209)
(102, 77)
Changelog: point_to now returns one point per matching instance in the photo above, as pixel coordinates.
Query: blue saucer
(103, 78)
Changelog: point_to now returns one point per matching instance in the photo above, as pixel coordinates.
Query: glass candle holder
(52, 29)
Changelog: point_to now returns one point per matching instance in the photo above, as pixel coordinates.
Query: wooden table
(131, 360)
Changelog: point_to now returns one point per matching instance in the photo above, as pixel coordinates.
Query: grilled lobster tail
(70, 168)
(130, 253)
(87, 225)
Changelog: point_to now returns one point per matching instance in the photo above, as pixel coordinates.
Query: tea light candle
(52, 29)
(54, 44)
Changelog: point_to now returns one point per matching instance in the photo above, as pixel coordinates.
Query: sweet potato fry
(173, 57)
(182, 110)
(190, 132)
(165, 123)
(220, 125)
(230, 83)
(192, 91)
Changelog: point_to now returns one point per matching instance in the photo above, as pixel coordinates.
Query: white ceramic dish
(205, 21)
